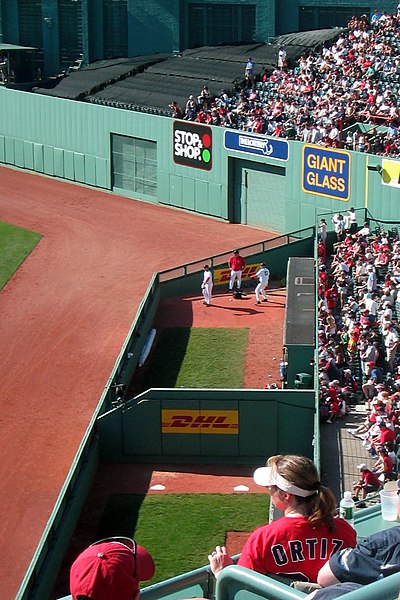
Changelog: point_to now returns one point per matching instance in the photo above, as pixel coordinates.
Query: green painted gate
(258, 194)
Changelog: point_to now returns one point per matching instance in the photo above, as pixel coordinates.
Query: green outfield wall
(208, 426)
(266, 182)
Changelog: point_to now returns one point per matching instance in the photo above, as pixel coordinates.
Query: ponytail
(321, 508)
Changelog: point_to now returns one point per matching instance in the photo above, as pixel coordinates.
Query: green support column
(50, 29)
(9, 22)
(153, 26)
(1, 24)
(93, 28)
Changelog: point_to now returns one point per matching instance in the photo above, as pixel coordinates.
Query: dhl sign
(200, 421)
(222, 276)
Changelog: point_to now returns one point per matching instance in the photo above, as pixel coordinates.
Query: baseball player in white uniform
(207, 285)
(263, 279)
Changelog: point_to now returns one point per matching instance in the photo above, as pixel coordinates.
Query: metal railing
(245, 251)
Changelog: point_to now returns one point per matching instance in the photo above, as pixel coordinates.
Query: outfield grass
(180, 530)
(15, 245)
(198, 357)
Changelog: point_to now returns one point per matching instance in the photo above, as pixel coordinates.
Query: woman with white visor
(297, 544)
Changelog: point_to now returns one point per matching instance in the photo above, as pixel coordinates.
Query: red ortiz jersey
(290, 546)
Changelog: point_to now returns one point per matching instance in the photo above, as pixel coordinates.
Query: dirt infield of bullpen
(64, 317)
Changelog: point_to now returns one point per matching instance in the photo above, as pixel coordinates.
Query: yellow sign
(222, 276)
(200, 421)
(391, 173)
(326, 172)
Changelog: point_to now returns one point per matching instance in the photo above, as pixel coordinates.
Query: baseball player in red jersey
(236, 264)
(298, 544)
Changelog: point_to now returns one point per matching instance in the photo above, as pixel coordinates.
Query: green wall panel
(266, 198)
(188, 200)
(217, 200)
(102, 173)
(79, 167)
(38, 157)
(258, 193)
(201, 196)
(19, 153)
(216, 445)
(90, 170)
(136, 437)
(69, 167)
(48, 158)
(253, 426)
(173, 443)
(176, 190)
(2, 149)
(58, 162)
(163, 186)
(28, 155)
(9, 150)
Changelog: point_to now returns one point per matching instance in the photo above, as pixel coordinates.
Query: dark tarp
(101, 74)
(153, 82)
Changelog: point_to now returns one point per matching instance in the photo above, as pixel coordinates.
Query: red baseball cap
(111, 568)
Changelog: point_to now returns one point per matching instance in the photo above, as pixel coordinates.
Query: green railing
(199, 583)
(237, 581)
(222, 259)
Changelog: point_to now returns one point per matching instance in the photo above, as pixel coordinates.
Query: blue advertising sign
(256, 144)
(326, 172)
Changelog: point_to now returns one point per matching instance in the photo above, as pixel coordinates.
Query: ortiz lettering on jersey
(290, 545)
(308, 549)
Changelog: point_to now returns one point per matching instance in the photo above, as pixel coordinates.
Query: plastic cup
(389, 504)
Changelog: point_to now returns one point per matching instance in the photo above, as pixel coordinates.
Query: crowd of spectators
(358, 334)
(355, 80)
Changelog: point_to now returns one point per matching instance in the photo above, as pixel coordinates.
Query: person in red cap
(111, 569)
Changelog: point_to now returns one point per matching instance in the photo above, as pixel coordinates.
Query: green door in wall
(258, 194)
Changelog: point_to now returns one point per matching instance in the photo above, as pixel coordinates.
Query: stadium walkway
(341, 452)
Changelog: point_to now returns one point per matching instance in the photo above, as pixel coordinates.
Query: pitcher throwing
(263, 279)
